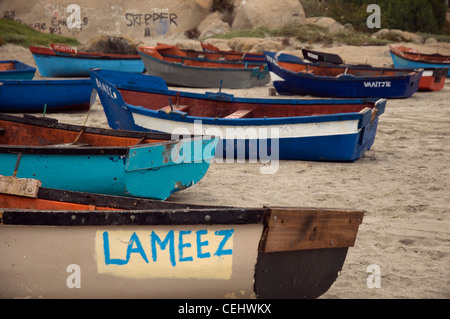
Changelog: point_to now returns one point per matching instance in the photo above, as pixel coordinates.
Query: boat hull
(215, 253)
(69, 66)
(333, 137)
(152, 170)
(400, 62)
(177, 74)
(44, 95)
(344, 85)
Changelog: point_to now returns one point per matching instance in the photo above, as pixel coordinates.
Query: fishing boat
(178, 69)
(433, 79)
(246, 56)
(404, 57)
(82, 245)
(42, 96)
(65, 61)
(264, 129)
(105, 161)
(16, 70)
(301, 78)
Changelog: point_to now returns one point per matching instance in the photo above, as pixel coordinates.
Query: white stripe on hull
(284, 130)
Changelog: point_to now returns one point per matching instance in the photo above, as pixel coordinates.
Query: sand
(403, 184)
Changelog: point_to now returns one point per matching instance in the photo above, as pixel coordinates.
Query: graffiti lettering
(147, 18)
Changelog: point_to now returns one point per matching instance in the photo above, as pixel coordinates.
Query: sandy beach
(403, 184)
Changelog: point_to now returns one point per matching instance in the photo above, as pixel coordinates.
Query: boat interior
(233, 110)
(171, 53)
(8, 66)
(339, 71)
(18, 133)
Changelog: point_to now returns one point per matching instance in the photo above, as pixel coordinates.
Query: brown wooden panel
(298, 229)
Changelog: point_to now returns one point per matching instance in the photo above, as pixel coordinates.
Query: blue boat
(342, 81)
(101, 161)
(39, 96)
(404, 57)
(16, 70)
(264, 129)
(53, 63)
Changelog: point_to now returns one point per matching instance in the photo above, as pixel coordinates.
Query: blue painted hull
(21, 71)
(342, 86)
(153, 170)
(399, 62)
(348, 145)
(32, 95)
(67, 66)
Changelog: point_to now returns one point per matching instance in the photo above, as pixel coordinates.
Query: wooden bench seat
(238, 114)
(179, 108)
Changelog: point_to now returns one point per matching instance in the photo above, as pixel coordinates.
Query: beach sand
(403, 184)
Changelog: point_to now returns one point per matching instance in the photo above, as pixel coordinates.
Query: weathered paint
(166, 252)
(52, 65)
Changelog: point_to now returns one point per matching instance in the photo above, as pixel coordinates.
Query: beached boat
(78, 245)
(41, 96)
(328, 130)
(246, 56)
(404, 57)
(16, 70)
(178, 69)
(65, 61)
(104, 161)
(328, 80)
(433, 79)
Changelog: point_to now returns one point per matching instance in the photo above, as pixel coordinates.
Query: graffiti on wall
(158, 21)
(58, 19)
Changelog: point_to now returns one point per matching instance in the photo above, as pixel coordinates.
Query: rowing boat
(104, 161)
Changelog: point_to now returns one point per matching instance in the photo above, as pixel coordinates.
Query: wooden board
(19, 186)
(299, 229)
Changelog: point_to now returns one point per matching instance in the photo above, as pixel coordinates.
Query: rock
(213, 25)
(332, 25)
(110, 44)
(400, 35)
(431, 41)
(267, 45)
(256, 13)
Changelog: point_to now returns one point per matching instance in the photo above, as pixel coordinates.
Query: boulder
(332, 25)
(431, 41)
(251, 14)
(213, 25)
(398, 34)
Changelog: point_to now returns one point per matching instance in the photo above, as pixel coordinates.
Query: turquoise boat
(404, 57)
(102, 161)
(16, 70)
(54, 63)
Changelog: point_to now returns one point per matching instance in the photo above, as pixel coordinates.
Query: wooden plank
(180, 108)
(238, 114)
(298, 229)
(19, 186)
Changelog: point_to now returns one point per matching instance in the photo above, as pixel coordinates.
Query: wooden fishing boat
(246, 56)
(43, 96)
(65, 61)
(265, 129)
(433, 79)
(16, 70)
(79, 158)
(178, 69)
(137, 248)
(404, 57)
(342, 80)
